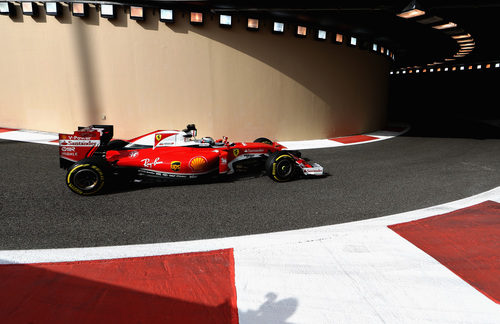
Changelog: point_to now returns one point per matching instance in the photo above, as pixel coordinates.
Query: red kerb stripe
(4, 130)
(354, 139)
(181, 288)
(466, 241)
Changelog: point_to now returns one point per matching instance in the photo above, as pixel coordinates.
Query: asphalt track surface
(37, 210)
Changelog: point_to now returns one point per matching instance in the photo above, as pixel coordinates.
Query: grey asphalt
(371, 180)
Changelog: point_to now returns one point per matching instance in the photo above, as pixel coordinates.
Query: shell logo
(198, 163)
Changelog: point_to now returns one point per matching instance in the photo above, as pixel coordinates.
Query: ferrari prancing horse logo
(236, 152)
(158, 138)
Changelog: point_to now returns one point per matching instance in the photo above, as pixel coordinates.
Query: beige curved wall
(58, 73)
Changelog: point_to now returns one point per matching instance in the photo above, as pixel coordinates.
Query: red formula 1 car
(93, 159)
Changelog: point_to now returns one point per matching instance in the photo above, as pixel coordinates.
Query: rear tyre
(281, 166)
(263, 140)
(86, 177)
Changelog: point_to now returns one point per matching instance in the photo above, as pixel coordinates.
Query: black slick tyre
(281, 166)
(86, 177)
(263, 140)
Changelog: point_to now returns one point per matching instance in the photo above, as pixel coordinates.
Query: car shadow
(122, 186)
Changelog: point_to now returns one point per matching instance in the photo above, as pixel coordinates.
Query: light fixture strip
(461, 36)
(445, 26)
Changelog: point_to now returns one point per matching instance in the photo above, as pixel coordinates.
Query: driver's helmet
(190, 132)
(208, 140)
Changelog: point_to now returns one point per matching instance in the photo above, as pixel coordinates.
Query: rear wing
(82, 143)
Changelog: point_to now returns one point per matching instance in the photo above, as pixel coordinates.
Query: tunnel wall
(448, 104)
(61, 72)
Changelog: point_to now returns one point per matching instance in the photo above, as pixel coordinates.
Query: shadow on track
(118, 187)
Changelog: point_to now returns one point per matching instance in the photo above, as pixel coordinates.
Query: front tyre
(281, 166)
(86, 178)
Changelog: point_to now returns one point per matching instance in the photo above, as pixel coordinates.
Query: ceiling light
(253, 24)
(7, 9)
(301, 31)
(225, 20)
(461, 36)
(445, 26)
(166, 15)
(108, 11)
(321, 34)
(29, 8)
(52, 8)
(413, 9)
(464, 40)
(196, 18)
(339, 38)
(79, 9)
(278, 27)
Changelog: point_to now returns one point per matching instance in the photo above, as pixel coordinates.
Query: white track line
(327, 143)
(31, 136)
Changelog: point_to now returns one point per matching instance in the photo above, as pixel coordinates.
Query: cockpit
(165, 138)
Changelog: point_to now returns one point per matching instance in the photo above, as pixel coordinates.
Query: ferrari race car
(94, 160)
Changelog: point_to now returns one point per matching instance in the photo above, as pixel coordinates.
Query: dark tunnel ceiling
(375, 21)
